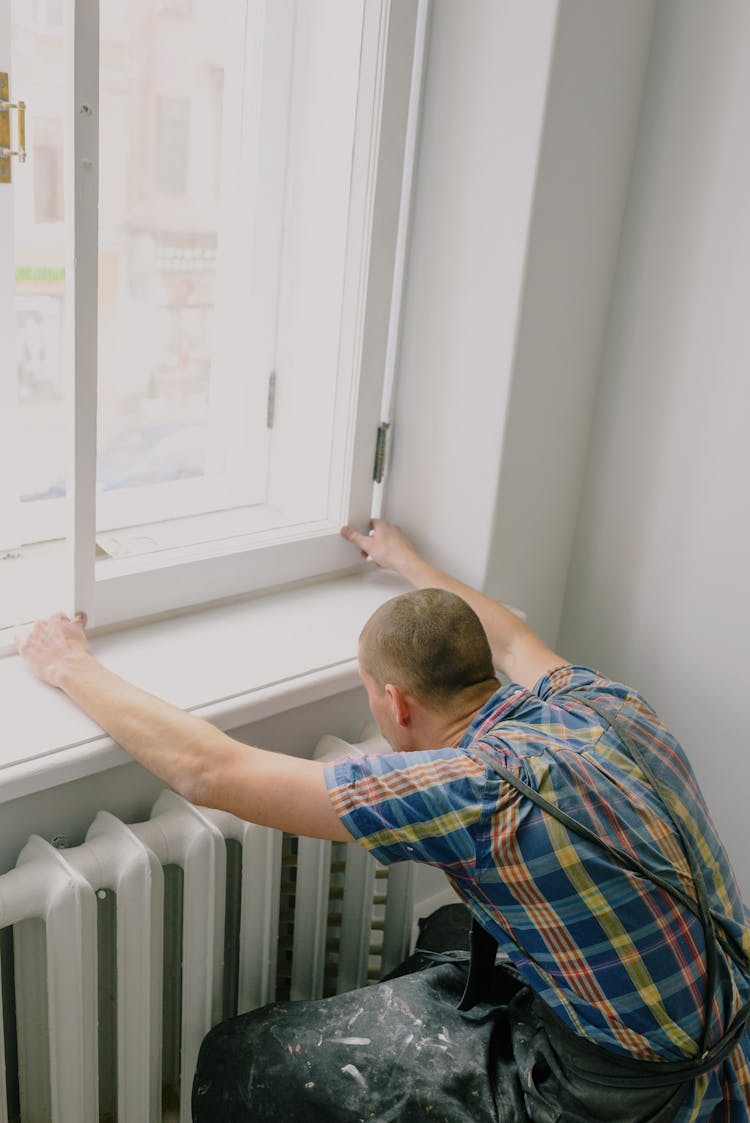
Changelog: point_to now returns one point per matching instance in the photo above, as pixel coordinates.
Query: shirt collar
(497, 707)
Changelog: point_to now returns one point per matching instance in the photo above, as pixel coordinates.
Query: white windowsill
(231, 663)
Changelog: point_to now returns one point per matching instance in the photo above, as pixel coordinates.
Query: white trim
(169, 584)
(416, 92)
(398, 29)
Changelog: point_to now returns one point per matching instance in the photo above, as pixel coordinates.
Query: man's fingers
(361, 540)
(82, 618)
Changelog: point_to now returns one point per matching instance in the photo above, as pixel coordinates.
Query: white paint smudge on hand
(349, 1040)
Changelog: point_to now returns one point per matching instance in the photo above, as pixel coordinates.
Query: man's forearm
(177, 747)
(203, 764)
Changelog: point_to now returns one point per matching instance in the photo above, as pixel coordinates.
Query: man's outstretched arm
(196, 759)
(516, 650)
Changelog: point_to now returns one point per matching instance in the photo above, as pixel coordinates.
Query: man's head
(426, 662)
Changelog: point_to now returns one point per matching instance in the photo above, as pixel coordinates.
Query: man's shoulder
(563, 711)
(569, 681)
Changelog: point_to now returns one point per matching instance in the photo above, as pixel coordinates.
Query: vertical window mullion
(402, 237)
(82, 267)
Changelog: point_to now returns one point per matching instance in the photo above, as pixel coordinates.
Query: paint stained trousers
(401, 1052)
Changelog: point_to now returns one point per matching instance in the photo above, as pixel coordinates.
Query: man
(568, 820)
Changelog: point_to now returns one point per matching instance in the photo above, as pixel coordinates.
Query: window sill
(230, 663)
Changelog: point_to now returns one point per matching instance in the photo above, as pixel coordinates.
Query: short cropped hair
(429, 642)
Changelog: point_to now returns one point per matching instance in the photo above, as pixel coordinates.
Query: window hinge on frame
(271, 400)
(5, 149)
(381, 445)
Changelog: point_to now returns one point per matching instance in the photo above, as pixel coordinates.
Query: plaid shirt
(612, 954)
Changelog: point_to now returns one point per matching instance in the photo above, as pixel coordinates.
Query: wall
(593, 104)
(484, 99)
(658, 587)
(528, 128)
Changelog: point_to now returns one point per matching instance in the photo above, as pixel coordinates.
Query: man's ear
(399, 704)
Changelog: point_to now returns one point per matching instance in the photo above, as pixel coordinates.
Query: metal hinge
(271, 400)
(5, 144)
(380, 451)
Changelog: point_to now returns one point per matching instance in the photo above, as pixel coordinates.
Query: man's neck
(450, 729)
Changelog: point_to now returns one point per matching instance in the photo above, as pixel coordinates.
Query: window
(171, 159)
(232, 206)
(48, 12)
(48, 171)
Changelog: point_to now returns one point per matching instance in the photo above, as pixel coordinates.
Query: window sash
(114, 591)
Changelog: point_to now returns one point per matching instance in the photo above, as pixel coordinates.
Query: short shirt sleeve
(418, 806)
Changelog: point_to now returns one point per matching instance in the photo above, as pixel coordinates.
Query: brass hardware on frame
(6, 152)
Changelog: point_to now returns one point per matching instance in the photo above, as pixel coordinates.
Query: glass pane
(327, 200)
(33, 378)
(161, 86)
(37, 61)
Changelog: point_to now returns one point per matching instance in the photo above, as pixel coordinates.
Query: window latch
(271, 400)
(5, 149)
(381, 445)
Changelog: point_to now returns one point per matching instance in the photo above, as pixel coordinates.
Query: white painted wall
(484, 100)
(658, 587)
(528, 128)
(593, 104)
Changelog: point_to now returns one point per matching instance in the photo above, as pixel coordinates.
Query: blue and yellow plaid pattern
(615, 956)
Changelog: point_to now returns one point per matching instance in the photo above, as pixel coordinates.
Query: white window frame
(112, 591)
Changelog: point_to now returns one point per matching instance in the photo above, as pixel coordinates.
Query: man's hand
(53, 644)
(386, 544)
(517, 651)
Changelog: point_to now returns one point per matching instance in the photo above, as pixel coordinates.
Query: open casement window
(197, 266)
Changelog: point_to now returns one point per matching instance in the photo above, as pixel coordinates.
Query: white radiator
(127, 949)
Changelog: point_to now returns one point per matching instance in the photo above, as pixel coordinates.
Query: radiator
(125, 950)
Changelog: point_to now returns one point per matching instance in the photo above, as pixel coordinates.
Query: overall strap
(483, 952)
(689, 848)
